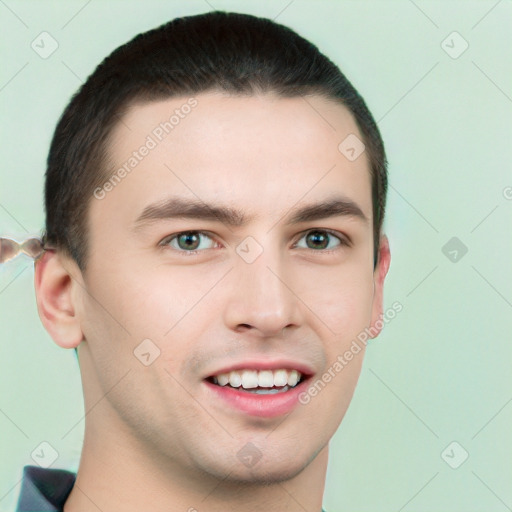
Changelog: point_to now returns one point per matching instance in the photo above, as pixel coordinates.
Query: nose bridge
(262, 297)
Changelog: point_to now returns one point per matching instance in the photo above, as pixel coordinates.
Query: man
(215, 194)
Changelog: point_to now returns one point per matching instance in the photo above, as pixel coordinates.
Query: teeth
(250, 379)
(265, 379)
(235, 380)
(271, 391)
(293, 378)
(280, 378)
(222, 379)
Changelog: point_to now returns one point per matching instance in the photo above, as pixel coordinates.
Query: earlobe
(378, 286)
(56, 300)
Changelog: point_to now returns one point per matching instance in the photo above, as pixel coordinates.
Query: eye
(188, 241)
(320, 239)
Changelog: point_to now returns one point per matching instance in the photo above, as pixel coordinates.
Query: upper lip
(265, 364)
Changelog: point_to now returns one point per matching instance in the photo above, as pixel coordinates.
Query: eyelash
(343, 241)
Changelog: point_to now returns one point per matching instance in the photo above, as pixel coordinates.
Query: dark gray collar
(44, 490)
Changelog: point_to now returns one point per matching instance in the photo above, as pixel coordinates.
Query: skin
(155, 431)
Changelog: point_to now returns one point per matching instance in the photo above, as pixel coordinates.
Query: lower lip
(267, 406)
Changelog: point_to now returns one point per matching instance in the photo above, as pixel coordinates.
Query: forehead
(251, 121)
(257, 152)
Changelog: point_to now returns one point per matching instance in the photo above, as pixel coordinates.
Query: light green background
(441, 370)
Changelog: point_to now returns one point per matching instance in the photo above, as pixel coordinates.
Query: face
(259, 280)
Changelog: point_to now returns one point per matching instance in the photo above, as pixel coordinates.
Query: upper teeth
(264, 379)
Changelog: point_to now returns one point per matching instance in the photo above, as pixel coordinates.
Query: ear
(378, 286)
(55, 281)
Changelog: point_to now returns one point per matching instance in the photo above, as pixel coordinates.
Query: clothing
(45, 490)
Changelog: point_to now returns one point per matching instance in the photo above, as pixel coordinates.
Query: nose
(261, 297)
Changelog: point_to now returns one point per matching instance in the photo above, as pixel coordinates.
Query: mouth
(260, 382)
(263, 392)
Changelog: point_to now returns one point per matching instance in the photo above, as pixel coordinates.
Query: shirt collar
(44, 489)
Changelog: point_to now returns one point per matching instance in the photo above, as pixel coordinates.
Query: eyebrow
(178, 207)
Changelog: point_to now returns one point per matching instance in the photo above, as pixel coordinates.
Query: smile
(264, 393)
(261, 382)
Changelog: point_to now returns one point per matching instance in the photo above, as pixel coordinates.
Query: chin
(267, 474)
(264, 472)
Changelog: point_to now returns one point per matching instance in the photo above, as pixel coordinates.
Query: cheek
(340, 297)
(144, 301)
(168, 305)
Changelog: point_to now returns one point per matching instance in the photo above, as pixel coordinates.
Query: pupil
(189, 237)
(317, 237)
